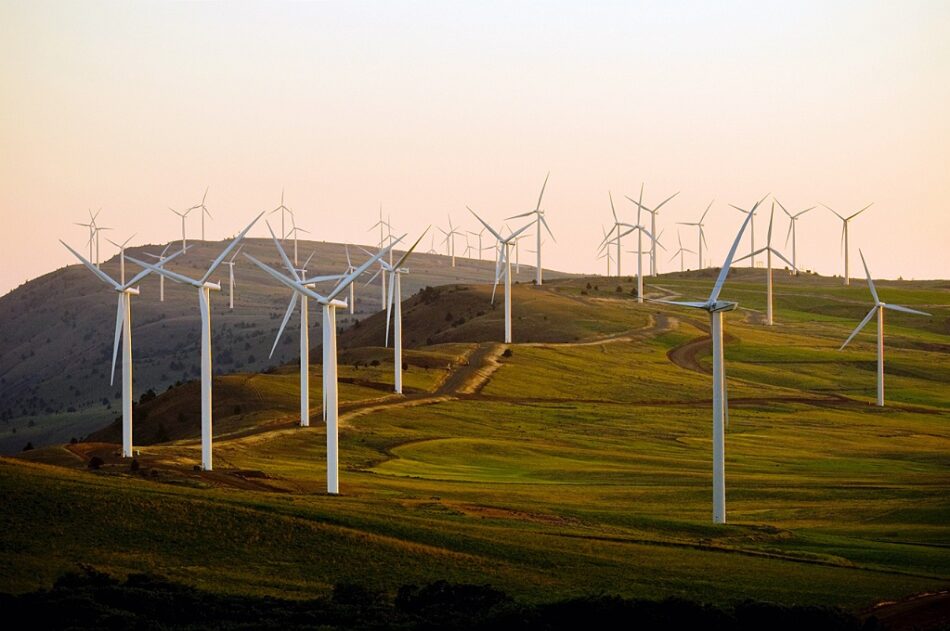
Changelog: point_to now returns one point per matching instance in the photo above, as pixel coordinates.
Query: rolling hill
(56, 350)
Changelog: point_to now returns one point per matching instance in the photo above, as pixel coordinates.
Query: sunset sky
(426, 107)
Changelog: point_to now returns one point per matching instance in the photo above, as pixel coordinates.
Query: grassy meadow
(580, 464)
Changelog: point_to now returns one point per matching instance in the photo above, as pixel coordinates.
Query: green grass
(578, 469)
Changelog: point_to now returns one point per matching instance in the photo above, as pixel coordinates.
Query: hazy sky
(426, 107)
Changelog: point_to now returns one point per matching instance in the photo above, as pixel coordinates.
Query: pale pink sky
(426, 107)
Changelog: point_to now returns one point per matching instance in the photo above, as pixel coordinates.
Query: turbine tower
(791, 231)
(702, 235)
(538, 220)
(844, 237)
(716, 307)
(394, 308)
(769, 251)
(204, 287)
(330, 304)
(204, 211)
(879, 308)
(123, 328)
(503, 266)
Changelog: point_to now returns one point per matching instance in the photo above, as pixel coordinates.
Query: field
(580, 463)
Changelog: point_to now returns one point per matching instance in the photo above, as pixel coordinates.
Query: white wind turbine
(640, 230)
(294, 230)
(161, 279)
(751, 233)
(330, 304)
(184, 215)
(300, 275)
(283, 210)
(204, 211)
(449, 240)
(204, 287)
(394, 307)
(617, 226)
(653, 213)
(123, 328)
(702, 235)
(844, 237)
(474, 234)
(538, 221)
(231, 285)
(121, 247)
(680, 252)
(503, 266)
(716, 307)
(791, 231)
(769, 251)
(879, 308)
(383, 224)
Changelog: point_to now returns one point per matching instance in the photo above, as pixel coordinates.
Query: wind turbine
(791, 231)
(330, 304)
(299, 275)
(283, 210)
(653, 213)
(230, 264)
(702, 235)
(121, 247)
(503, 264)
(204, 287)
(123, 328)
(294, 230)
(716, 307)
(394, 307)
(878, 307)
(184, 241)
(538, 220)
(751, 233)
(161, 279)
(640, 230)
(450, 240)
(769, 251)
(474, 234)
(204, 211)
(617, 226)
(382, 240)
(844, 236)
(680, 252)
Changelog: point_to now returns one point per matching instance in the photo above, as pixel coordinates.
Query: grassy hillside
(579, 463)
(56, 351)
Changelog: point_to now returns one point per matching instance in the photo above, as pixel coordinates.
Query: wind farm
(376, 415)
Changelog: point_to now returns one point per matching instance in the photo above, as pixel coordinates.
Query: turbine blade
(906, 310)
(119, 319)
(868, 273)
(227, 250)
(95, 270)
(490, 229)
(389, 303)
(714, 296)
(864, 322)
(283, 324)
